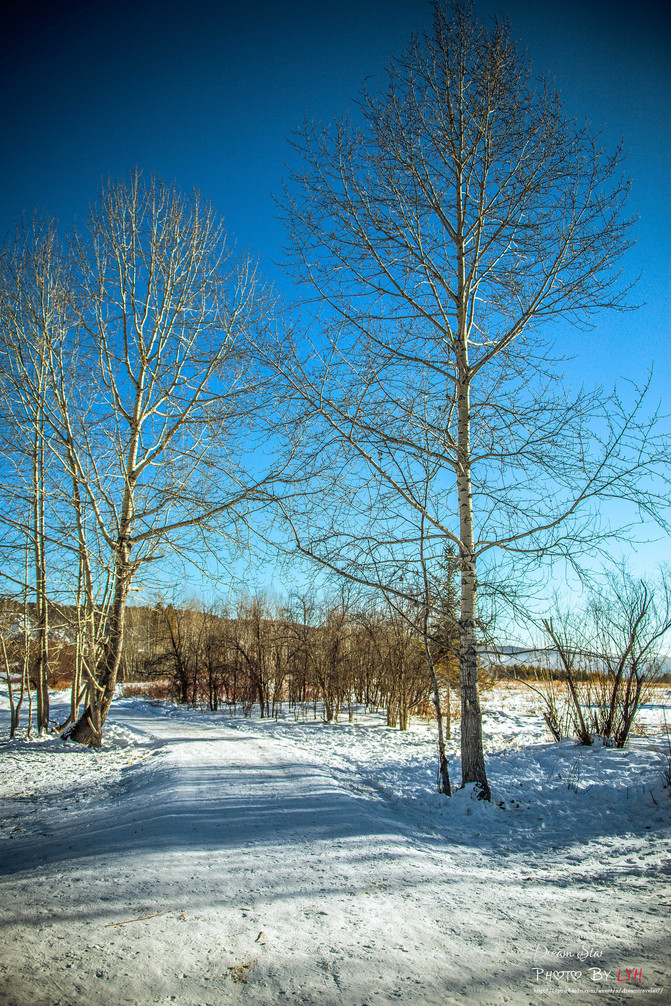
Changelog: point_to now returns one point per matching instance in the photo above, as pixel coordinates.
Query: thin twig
(142, 919)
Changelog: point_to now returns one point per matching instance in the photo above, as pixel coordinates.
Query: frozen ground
(199, 859)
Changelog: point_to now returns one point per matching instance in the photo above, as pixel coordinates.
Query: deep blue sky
(205, 92)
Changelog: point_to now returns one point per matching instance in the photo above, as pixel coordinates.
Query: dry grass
(160, 690)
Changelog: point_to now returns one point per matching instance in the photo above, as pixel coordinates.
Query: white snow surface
(201, 859)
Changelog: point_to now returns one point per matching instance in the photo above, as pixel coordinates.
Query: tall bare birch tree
(455, 214)
(168, 460)
(36, 318)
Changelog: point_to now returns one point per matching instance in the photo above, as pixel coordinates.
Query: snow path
(276, 881)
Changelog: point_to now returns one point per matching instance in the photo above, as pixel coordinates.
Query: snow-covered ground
(202, 859)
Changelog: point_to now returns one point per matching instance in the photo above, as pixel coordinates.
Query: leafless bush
(608, 658)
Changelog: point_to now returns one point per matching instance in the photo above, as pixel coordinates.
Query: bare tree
(36, 318)
(168, 460)
(152, 402)
(458, 212)
(439, 629)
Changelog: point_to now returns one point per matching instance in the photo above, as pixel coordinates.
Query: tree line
(329, 657)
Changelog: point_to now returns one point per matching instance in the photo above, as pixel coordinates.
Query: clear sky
(206, 91)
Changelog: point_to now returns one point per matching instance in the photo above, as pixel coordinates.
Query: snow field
(285, 861)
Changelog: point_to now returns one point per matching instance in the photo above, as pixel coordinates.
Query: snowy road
(272, 879)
